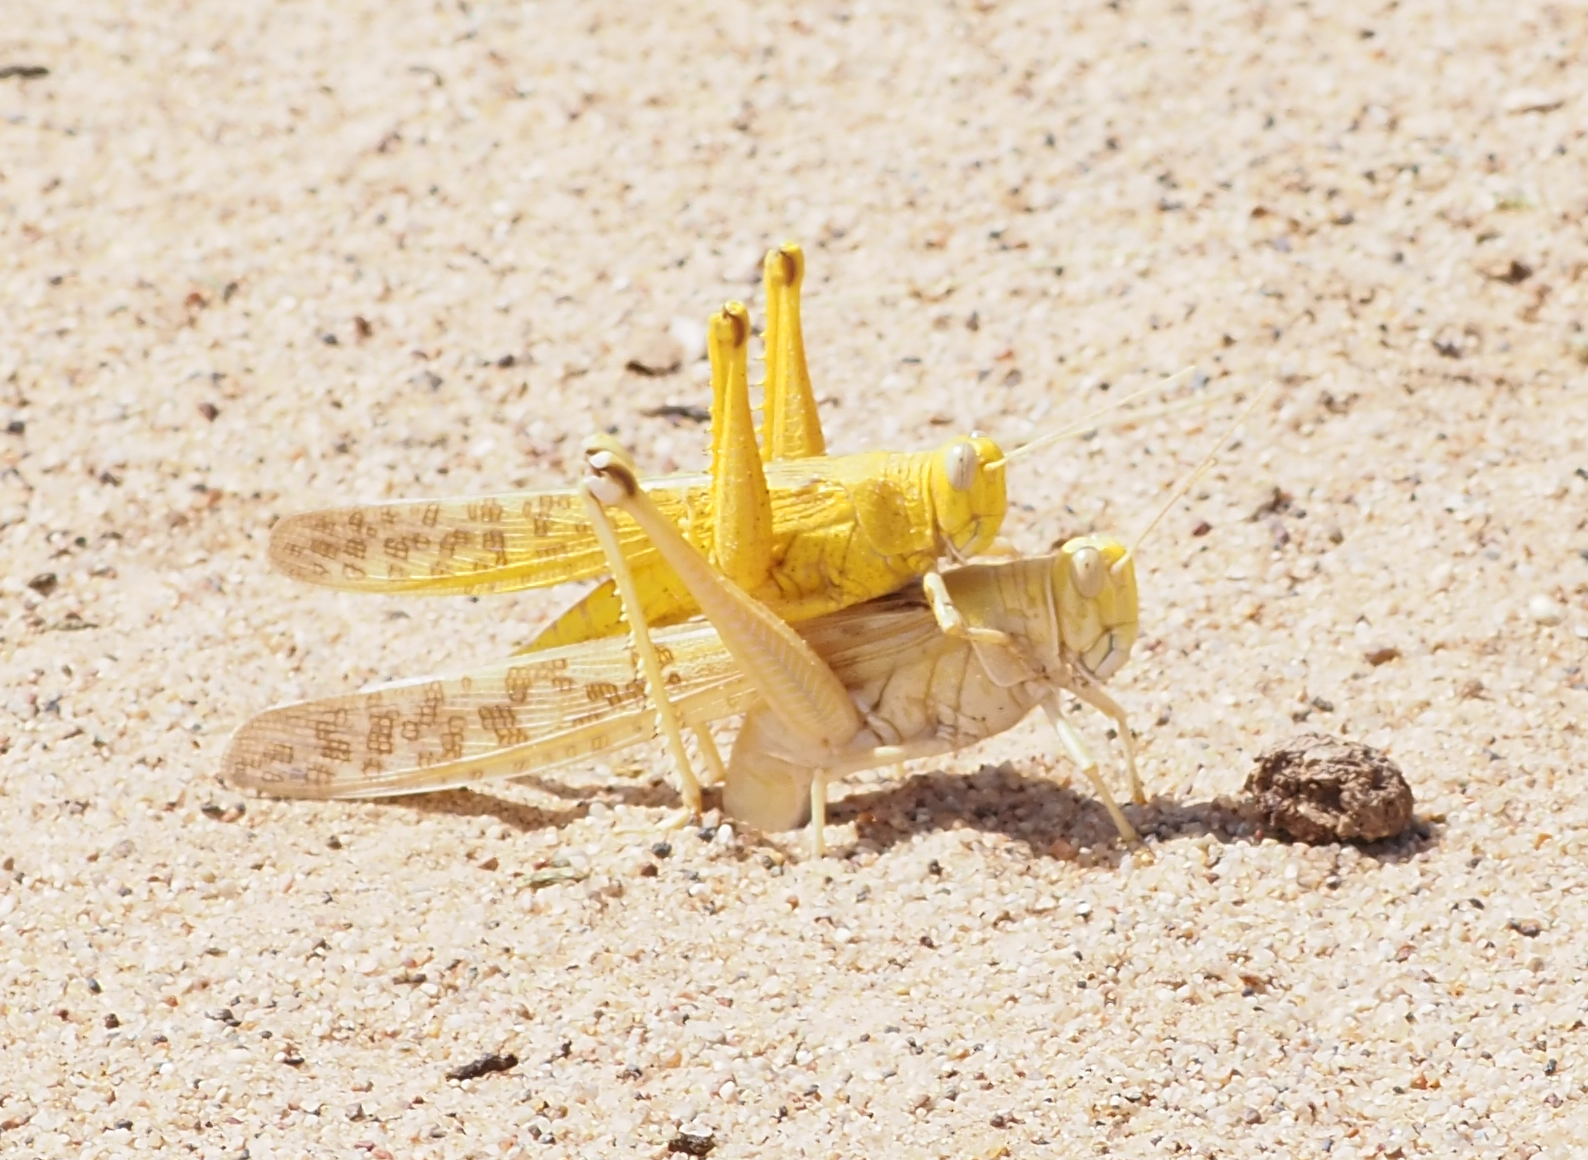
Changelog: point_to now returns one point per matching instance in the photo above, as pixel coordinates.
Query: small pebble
(692, 1143)
(690, 335)
(1381, 654)
(485, 1065)
(1543, 610)
(1531, 101)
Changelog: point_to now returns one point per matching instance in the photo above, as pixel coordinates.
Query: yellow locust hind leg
(599, 612)
(741, 521)
(792, 428)
(742, 509)
(741, 506)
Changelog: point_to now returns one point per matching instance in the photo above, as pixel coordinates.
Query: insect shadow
(1049, 816)
(1053, 818)
(463, 803)
(995, 799)
(524, 817)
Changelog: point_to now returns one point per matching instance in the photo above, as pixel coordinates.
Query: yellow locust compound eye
(959, 463)
(1087, 570)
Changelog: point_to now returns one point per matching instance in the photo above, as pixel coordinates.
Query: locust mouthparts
(1106, 657)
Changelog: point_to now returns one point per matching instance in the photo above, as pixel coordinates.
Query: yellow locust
(801, 531)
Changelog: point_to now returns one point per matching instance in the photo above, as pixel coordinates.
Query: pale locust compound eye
(1088, 571)
(960, 465)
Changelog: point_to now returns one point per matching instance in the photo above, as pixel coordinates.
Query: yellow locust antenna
(1197, 473)
(1088, 421)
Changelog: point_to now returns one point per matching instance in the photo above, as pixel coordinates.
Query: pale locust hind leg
(796, 686)
(1076, 748)
(818, 813)
(1103, 703)
(709, 754)
(644, 648)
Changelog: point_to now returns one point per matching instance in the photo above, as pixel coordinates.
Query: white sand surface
(1005, 205)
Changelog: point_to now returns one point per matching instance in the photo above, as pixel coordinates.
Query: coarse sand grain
(261, 257)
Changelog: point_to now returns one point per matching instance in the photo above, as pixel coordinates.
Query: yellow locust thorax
(923, 504)
(905, 510)
(1094, 586)
(871, 534)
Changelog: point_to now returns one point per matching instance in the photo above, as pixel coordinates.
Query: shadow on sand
(1052, 818)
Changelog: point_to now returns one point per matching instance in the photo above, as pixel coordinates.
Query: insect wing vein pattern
(530, 713)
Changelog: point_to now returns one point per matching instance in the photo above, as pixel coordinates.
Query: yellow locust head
(966, 480)
(1094, 582)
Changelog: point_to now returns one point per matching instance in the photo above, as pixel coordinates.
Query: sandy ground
(1006, 206)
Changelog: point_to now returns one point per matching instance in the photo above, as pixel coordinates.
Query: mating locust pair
(798, 589)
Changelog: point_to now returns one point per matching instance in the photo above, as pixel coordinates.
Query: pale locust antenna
(1088, 421)
(1196, 473)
